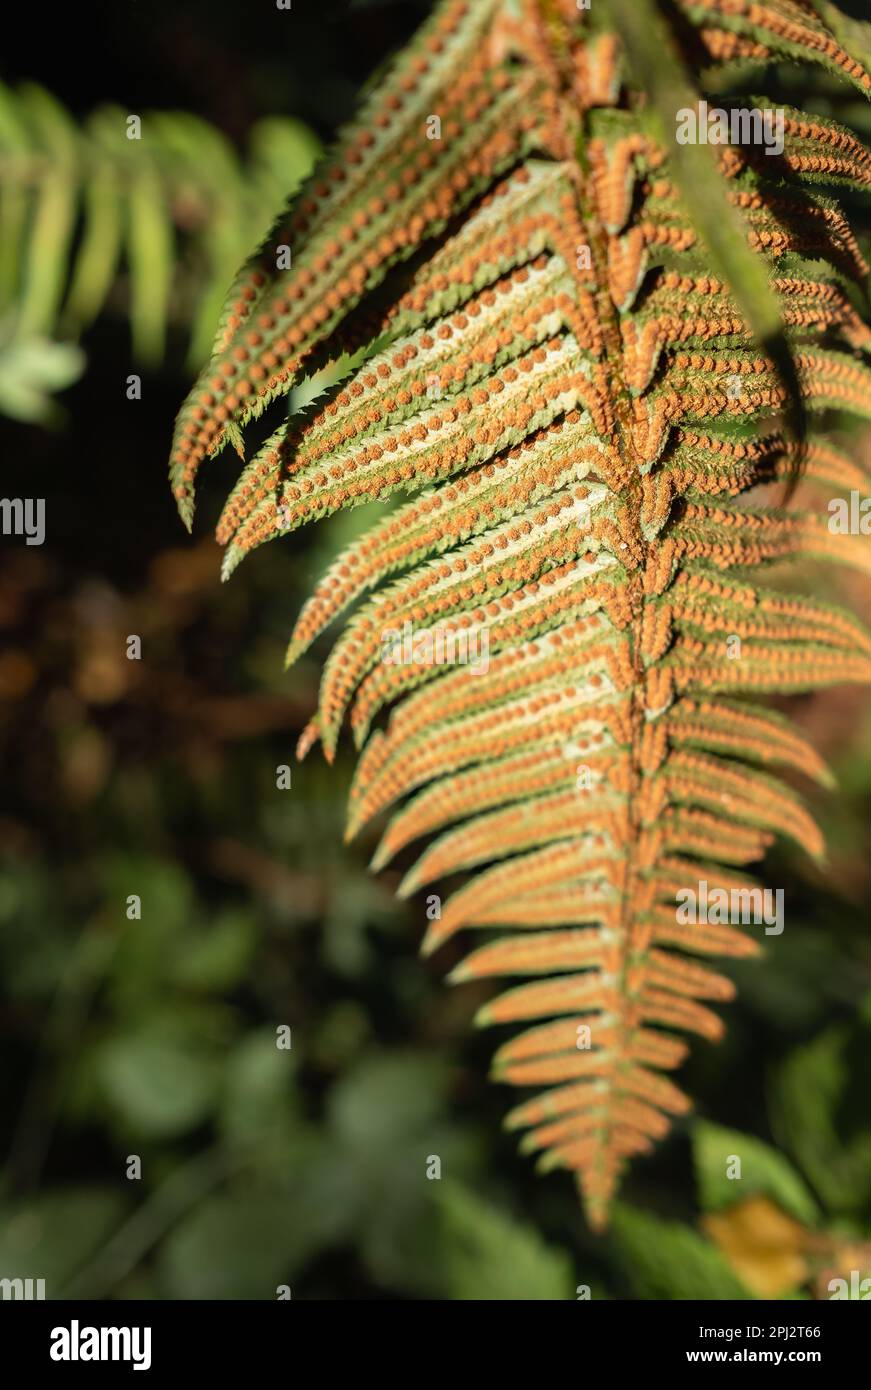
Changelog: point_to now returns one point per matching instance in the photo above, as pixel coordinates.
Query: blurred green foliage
(156, 1037)
(148, 215)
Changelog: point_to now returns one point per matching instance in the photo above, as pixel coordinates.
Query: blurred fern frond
(150, 220)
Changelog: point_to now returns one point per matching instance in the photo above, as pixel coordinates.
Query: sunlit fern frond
(570, 388)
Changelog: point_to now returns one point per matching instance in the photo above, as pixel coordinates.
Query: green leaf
(490, 1255)
(663, 1259)
(31, 370)
(386, 1098)
(763, 1170)
(15, 142)
(49, 237)
(257, 1099)
(150, 249)
(819, 1108)
(386, 1121)
(284, 151)
(157, 1084)
(96, 264)
(854, 35)
(216, 957)
(49, 1237)
(238, 1245)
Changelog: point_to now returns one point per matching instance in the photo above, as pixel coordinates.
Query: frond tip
(564, 408)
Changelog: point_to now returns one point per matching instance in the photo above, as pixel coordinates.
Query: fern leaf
(574, 400)
(81, 203)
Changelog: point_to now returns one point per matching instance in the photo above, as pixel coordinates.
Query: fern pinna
(550, 361)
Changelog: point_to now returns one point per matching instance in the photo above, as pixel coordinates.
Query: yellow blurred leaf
(764, 1246)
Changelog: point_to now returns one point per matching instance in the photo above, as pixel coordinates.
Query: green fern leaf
(165, 216)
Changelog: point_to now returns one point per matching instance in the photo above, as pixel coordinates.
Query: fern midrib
(631, 494)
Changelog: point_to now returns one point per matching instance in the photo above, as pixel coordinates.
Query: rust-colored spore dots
(585, 449)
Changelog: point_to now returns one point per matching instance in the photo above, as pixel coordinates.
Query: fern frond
(169, 206)
(577, 418)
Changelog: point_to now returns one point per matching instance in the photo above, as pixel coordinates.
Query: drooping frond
(584, 455)
(159, 200)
